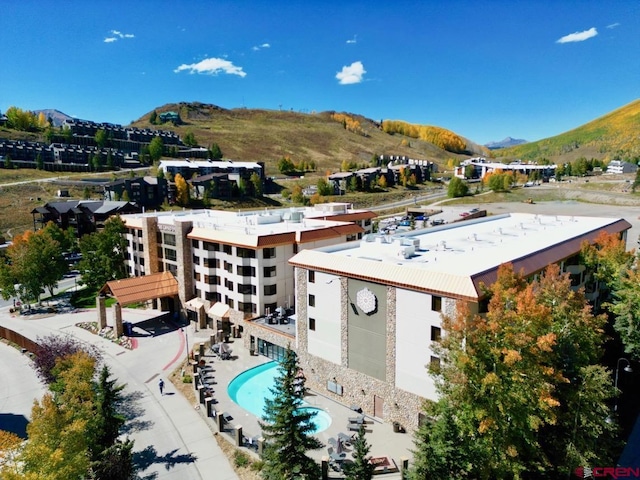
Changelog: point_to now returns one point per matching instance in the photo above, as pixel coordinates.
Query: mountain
(55, 115)
(507, 142)
(326, 138)
(615, 134)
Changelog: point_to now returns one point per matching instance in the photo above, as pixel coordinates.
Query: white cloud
(353, 40)
(578, 36)
(351, 73)
(260, 47)
(117, 34)
(212, 66)
(613, 25)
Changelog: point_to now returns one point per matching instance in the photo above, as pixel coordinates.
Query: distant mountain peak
(57, 117)
(507, 142)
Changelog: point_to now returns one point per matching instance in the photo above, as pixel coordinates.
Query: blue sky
(486, 70)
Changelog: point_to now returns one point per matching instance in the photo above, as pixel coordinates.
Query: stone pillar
(208, 405)
(201, 391)
(101, 305)
(238, 436)
(220, 422)
(117, 315)
(325, 468)
(196, 378)
(260, 445)
(404, 466)
(201, 350)
(202, 318)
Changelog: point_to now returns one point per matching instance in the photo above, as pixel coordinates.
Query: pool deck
(383, 440)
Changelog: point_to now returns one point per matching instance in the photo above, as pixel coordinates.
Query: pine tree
(287, 428)
(360, 468)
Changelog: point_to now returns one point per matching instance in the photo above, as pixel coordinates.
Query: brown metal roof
(329, 232)
(141, 289)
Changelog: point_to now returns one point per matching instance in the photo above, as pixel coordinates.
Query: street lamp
(186, 341)
(627, 369)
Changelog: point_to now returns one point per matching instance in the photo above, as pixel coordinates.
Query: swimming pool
(251, 387)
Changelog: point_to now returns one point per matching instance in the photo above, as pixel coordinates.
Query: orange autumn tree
(521, 391)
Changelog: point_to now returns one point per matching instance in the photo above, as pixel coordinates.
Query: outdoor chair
(359, 419)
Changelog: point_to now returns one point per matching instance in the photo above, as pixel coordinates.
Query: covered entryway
(159, 286)
(219, 313)
(197, 309)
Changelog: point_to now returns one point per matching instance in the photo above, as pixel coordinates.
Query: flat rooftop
(453, 258)
(255, 223)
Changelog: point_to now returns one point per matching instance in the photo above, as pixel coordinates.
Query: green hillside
(326, 138)
(612, 135)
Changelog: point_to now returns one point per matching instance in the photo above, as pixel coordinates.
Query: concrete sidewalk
(171, 440)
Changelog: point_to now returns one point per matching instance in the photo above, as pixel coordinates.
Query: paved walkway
(172, 442)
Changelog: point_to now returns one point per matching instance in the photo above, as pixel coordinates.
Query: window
(436, 303)
(245, 252)
(246, 289)
(173, 269)
(434, 364)
(139, 233)
(295, 248)
(312, 276)
(228, 284)
(269, 271)
(211, 247)
(312, 324)
(159, 252)
(229, 302)
(170, 254)
(195, 243)
(312, 300)
(141, 248)
(269, 253)
(228, 267)
(247, 307)
(246, 271)
(270, 289)
(435, 334)
(211, 262)
(196, 275)
(213, 296)
(196, 260)
(212, 279)
(169, 239)
(226, 249)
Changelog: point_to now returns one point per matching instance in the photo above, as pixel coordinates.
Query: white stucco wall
(325, 340)
(414, 319)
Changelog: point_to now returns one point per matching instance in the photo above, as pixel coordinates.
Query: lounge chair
(353, 427)
(346, 439)
(359, 419)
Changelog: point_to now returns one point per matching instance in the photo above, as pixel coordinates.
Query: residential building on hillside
(234, 170)
(85, 216)
(481, 167)
(233, 265)
(618, 167)
(144, 191)
(368, 312)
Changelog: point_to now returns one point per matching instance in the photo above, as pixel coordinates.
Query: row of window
(241, 252)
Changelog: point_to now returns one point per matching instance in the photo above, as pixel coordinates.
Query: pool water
(251, 387)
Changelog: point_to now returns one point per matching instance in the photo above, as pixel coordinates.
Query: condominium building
(369, 312)
(234, 265)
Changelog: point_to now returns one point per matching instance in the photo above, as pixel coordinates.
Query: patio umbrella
(281, 311)
(339, 446)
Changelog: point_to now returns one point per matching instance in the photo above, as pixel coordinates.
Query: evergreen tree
(39, 162)
(287, 428)
(153, 118)
(214, 152)
(256, 181)
(360, 468)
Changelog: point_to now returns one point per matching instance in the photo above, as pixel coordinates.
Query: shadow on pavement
(133, 413)
(13, 423)
(149, 456)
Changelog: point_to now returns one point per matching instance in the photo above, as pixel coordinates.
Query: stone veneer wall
(150, 238)
(358, 389)
(184, 258)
